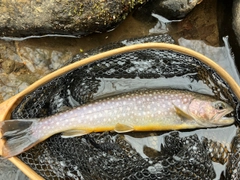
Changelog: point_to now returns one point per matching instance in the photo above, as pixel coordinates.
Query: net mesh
(233, 165)
(109, 155)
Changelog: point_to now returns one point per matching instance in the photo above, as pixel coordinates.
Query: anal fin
(123, 128)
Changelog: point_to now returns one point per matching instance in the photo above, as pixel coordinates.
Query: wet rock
(23, 18)
(236, 19)
(22, 64)
(11, 85)
(200, 24)
(170, 9)
(43, 60)
(7, 66)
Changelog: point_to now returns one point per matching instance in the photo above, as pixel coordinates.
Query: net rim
(7, 106)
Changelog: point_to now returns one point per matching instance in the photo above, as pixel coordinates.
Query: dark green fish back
(109, 155)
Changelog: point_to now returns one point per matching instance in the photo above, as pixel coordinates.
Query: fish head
(210, 112)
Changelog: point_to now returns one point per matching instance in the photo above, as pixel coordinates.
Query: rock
(8, 66)
(22, 63)
(22, 18)
(200, 24)
(236, 19)
(170, 9)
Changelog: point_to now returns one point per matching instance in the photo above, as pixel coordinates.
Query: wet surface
(28, 60)
(63, 17)
(125, 72)
(23, 62)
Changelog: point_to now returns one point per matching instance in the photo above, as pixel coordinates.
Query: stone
(23, 18)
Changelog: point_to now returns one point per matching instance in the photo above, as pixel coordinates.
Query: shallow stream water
(23, 62)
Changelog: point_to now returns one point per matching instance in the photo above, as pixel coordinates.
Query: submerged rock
(22, 18)
(236, 19)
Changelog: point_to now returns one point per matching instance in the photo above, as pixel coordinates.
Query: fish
(141, 110)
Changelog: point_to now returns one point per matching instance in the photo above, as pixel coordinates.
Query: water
(193, 27)
(155, 141)
(110, 86)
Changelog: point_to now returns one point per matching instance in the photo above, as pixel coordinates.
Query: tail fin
(18, 136)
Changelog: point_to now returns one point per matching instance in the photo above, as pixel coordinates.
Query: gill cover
(210, 112)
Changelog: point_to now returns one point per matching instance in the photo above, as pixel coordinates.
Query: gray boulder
(22, 18)
(236, 19)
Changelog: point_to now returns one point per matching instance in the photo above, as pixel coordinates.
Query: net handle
(7, 106)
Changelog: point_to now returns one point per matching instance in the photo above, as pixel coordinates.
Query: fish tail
(17, 136)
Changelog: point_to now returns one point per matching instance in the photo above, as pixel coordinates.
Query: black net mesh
(233, 165)
(109, 155)
(180, 158)
(216, 151)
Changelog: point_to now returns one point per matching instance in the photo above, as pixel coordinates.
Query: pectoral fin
(122, 128)
(183, 114)
(74, 133)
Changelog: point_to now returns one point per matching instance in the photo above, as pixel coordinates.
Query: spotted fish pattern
(143, 110)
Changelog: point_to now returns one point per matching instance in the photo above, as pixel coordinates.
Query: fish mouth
(224, 118)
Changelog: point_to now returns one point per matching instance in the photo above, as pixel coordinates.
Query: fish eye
(219, 106)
